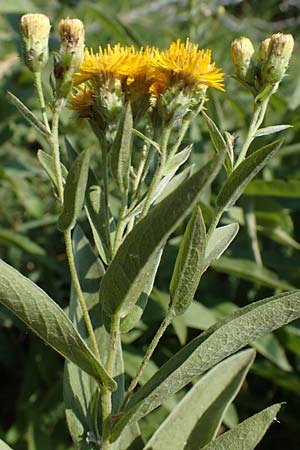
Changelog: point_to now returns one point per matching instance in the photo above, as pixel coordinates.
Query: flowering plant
(140, 104)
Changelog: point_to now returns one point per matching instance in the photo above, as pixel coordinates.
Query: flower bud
(241, 52)
(35, 29)
(263, 52)
(277, 57)
(70, 54)
(72, 42)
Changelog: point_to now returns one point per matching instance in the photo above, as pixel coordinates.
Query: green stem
(183, 130)
(40, 93)
(76, 283)
(106, 393)
(55, 149)
(121, 224)
(67, 233)
(159, 172)
(257, 119)
(164, 325)
(105, 195)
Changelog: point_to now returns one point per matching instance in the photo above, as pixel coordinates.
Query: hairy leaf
(121, 150)
(125, 278)
(189, 264)
(247, 434)
(74, 191)
(46, 319)
(197, 417)
(244, 173)
(208, 349)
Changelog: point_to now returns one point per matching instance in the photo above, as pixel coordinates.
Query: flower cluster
(268, 67)
(146, 76)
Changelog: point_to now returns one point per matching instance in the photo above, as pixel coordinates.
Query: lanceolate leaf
(244, 173)
(128, 322)
(124, 280)
(197, 418)
(177, 160)
(121, 150)
(189, 264)
(45, 318)
(74, 191)
(48, 165)
(220, 240)
(208, 349)
(247, 434)
(270, 130)
(218, 141)
(32, 119)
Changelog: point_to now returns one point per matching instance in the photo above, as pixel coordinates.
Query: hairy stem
(67, 233)
(80, 296)
(40, 94)
(257, 119)
(105, 392)
(105, 195)
(159, 172)
(164, 325)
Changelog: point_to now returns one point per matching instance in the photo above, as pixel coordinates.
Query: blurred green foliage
(32, 413)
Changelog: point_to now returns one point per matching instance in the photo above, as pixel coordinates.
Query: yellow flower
(82, 102)
(183, 64)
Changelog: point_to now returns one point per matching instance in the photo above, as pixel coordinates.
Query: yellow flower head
(82, 101)
(183, 64)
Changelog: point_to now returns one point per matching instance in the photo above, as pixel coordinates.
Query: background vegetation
(32, 412)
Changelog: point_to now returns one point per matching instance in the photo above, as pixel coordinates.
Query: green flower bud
(241, 53)
(35, 29)
(277, 57)
(72, 42)
(70, 54)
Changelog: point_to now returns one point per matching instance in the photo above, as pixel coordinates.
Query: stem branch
(164, 325)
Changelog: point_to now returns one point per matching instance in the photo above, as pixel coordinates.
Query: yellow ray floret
(185, 64)
(82, 101)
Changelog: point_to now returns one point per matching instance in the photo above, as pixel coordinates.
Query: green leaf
(247, 434)
(270, 130)
(218, 141)
(197, 417)
(189, 264)
(219, 241)
(173, 164)
(125, 278)
(28, 115)
(274, 188)
(146, 139)
(244, 173)
(249, 270)
(46, 319)
(135, 313)
(95, 215)
(47, 163)
(205, 351)
(174, 183)
(74, 191)
(121, 150)
(9, 237)
(81, 393)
